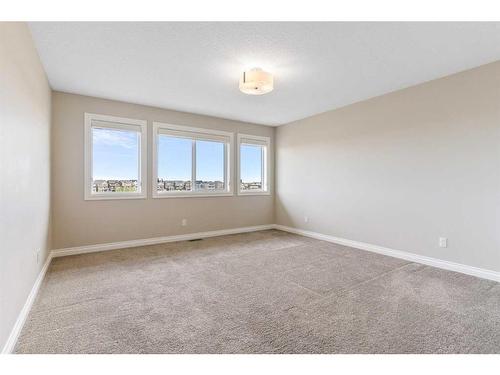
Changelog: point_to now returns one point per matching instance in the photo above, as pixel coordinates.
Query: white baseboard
(18, 326)
(434, 262)
(155, 240)
(23, 315)
(451, 266)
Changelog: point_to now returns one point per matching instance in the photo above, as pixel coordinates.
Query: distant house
(251, 185)
(100, 186)
(254, 185)
(173, 185)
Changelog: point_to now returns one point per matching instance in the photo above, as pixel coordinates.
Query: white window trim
(266, 164)
(189, 132)
(117, 123)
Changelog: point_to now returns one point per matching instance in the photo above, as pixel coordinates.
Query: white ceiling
(195, 67)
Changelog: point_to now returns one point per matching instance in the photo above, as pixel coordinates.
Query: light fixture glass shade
(256, 82)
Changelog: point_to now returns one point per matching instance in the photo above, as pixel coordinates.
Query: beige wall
(77, 222)
(401, 170)
(398, 170)
(24, 170)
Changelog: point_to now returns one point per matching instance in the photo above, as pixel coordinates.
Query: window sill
(244, 193)
(193, 195)
(114, 197)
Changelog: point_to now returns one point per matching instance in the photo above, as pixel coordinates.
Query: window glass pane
(174, 164)
(115, 160)
(251, 167)
(209, 166)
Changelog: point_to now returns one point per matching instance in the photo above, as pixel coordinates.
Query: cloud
(109, 137)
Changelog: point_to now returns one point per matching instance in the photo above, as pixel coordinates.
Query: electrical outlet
(184, 222)
(306, 219)
(443, 242)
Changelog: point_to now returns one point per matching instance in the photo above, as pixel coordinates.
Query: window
(253, 171)
(115, 157)
(191, 161)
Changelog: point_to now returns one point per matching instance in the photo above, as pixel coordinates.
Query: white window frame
(266, 162)
(113, 122)
(193, 134)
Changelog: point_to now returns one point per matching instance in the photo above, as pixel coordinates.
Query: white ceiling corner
(195, 66)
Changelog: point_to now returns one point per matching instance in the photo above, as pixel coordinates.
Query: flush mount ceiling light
(256, 82)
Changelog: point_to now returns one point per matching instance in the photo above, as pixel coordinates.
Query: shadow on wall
(282, 215)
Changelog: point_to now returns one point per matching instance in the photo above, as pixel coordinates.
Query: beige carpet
(262, 292)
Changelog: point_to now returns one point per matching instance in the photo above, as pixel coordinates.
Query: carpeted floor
(261, 292)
